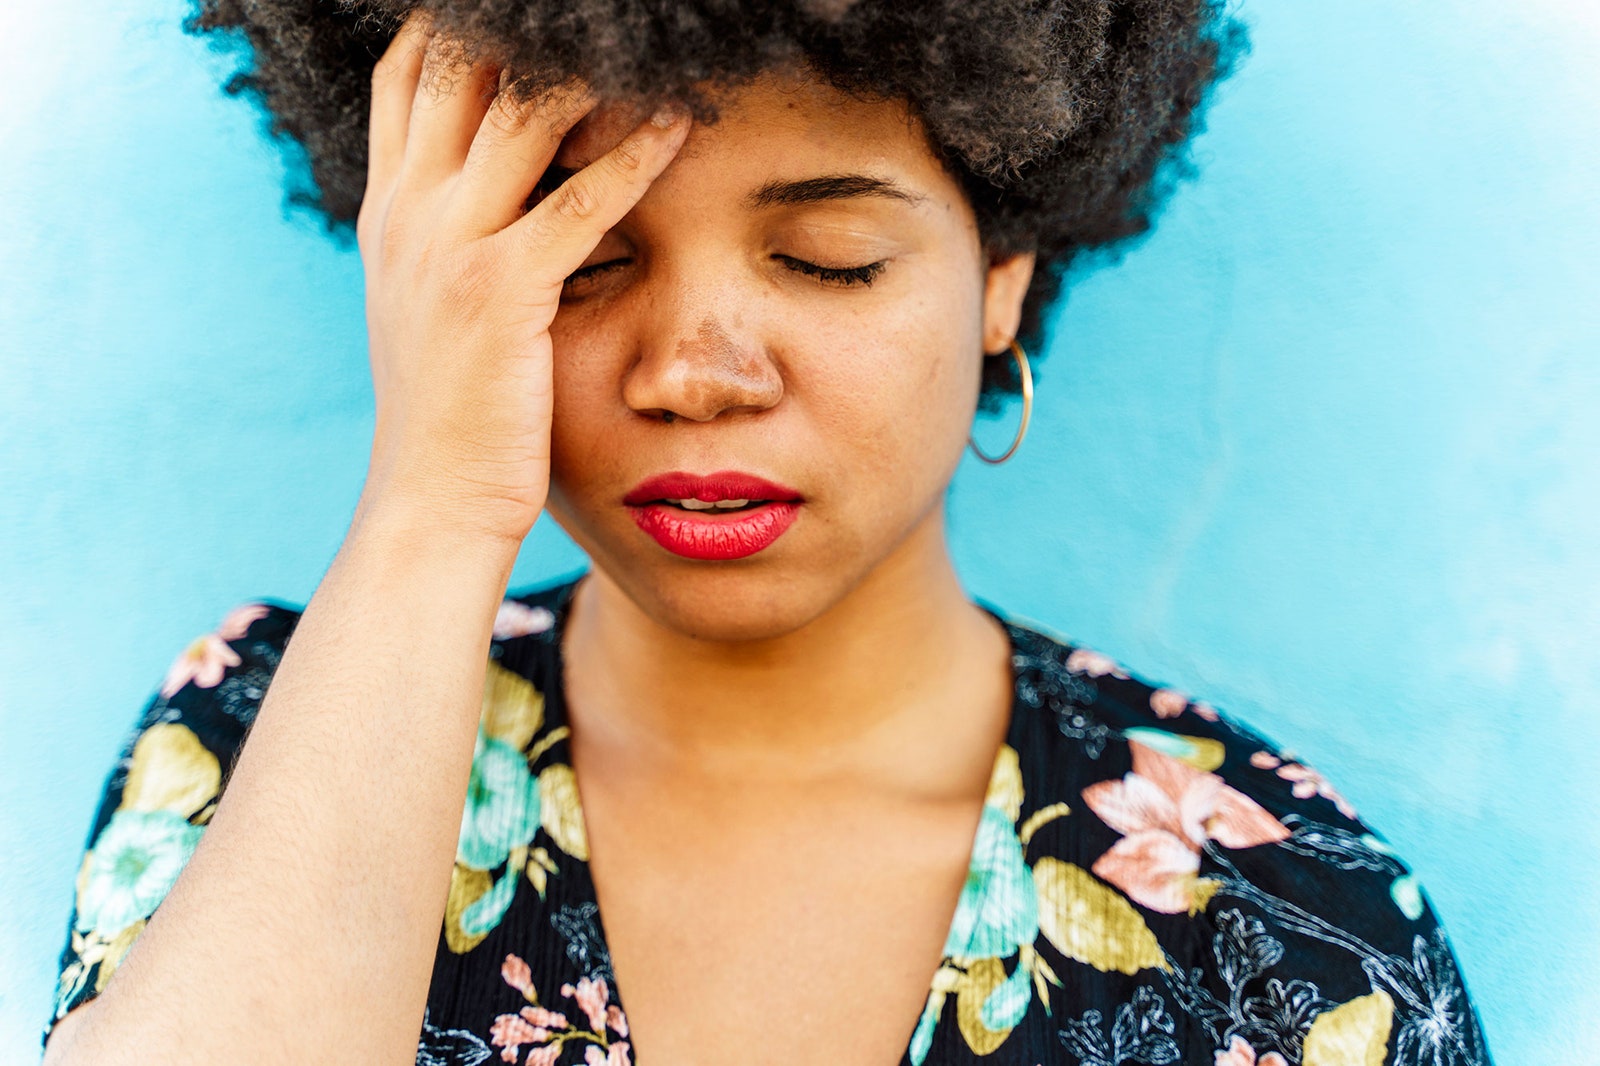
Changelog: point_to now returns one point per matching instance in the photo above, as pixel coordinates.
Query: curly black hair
(1064, 121)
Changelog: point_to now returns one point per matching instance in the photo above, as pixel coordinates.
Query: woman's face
(804, 291)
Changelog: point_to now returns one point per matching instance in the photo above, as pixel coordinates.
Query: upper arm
(1323, 945)
(1305, 937)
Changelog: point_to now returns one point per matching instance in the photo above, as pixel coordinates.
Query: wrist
(424, 514)
(424, 489)
(416, 533)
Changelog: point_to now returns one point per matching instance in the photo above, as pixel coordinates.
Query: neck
(894, 666)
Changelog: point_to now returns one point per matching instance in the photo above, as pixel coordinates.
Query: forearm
(304, 927)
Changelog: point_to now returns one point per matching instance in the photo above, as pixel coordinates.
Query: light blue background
(1324, 450)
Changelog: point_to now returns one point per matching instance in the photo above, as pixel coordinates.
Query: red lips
(707, 488)
(712, 534)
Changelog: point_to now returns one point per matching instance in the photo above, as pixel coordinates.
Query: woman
(721, 290)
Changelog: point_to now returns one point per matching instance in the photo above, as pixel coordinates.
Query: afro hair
(1064, 121)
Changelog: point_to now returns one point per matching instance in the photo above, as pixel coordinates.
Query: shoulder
(1288, 924)
(230, 666)
(1152, 750)
(216, 681)
(164, 788)
(1099, 702)
(176, 756)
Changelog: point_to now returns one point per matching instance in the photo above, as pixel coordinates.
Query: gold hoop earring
(1026, 373)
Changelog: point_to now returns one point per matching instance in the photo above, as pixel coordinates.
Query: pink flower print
(544, 1056)
(549, 1029)
(1168, 702)
(1086, 661)
(544, 1018)
(515, 619)
(510, 1032)
(206, 659)
(237, 623)
(615, 1055)
(202, 662)
(515, 973)
(533, 1024)
(1240, 1053)
(591, 996)
(1167, 810)
(1154, 868)
(1307, 782)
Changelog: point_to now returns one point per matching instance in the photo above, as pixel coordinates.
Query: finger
(563, 228)
(511, 151)
(453, 94)
(394, 84)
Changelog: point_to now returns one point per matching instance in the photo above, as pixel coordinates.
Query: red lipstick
(681, 513)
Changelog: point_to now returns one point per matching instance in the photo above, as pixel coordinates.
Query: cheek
(918, 358)
(585, 400)
(896, 408)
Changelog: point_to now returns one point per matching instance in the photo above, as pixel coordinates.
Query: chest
(775, 928)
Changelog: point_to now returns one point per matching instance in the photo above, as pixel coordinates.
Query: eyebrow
(779, 193)
(828, 187)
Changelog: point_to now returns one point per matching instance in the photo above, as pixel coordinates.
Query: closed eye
(591, 271)
(860, 275)
(857, 275)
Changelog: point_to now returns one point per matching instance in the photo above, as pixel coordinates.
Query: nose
(701, 371)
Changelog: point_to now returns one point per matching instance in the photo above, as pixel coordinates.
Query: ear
(1005, 287)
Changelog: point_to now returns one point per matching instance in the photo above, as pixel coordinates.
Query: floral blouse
(1150, 882)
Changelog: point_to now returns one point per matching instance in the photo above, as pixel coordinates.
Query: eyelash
(861, 275)
(846, 276)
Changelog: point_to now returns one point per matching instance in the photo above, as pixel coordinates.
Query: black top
(1150, 881)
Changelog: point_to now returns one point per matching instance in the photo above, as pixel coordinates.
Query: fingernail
(666, 115)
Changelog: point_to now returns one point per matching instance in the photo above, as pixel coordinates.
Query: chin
(763, 597)
(725, 604)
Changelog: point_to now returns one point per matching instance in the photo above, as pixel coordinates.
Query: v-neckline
(557, 717)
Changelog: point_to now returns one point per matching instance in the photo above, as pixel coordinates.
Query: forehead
(796, 123)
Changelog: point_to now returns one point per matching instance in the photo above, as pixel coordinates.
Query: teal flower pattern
(136, 860)
(1291, 932)
(502, 809)
(998, 910)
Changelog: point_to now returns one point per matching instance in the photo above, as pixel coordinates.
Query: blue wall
(1323, 450)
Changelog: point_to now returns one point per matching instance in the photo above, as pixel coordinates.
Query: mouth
(712, 517)
(711, 507)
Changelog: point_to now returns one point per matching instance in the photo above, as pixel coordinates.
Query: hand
(462, 285)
